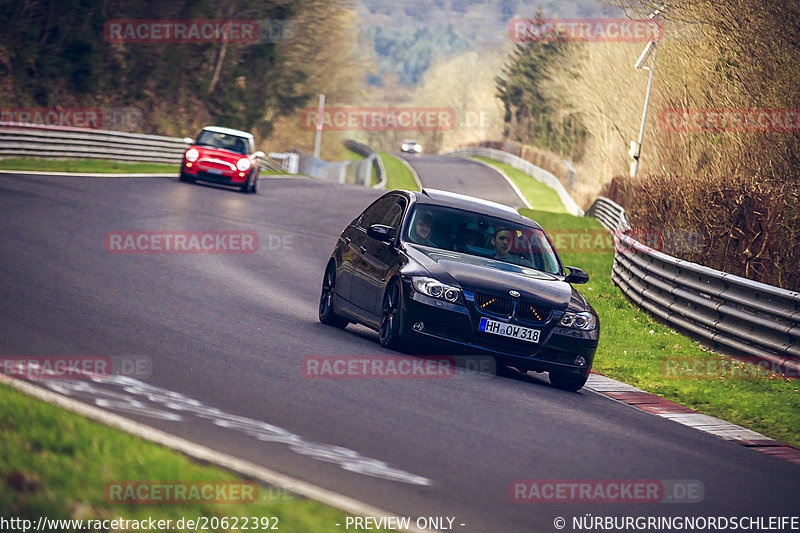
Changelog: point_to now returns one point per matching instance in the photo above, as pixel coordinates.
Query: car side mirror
(259, 154)
(381, 232)
(576, 275)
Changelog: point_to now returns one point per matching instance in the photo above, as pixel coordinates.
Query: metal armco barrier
(728, 312)
(537, 173)
(287, 161)
(31, 140)
(353, 172)
(610, 214)
(333, 171)
(371, 160)
(35, 140)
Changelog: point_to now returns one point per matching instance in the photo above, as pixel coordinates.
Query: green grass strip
(56, 464)
(353, 156)
(540, 196)
(397, 174)
(99, 166)
(638, 349)
(85, 165)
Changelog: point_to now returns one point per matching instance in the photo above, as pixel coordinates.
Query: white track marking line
(244, 468)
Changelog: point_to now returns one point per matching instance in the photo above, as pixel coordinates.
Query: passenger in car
(423, 228)
(503, 241)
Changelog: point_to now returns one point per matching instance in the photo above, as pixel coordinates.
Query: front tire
(570, 382)
(254, 186)
(251, 185)
(247, 187)
(391, 317)
(186, 177)
(326, 314)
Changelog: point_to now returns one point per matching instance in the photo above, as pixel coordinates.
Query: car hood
(484, 274)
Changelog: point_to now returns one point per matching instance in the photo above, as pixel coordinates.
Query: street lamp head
(645, 57)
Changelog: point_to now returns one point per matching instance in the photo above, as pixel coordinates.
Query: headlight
(435, 289)
(192, 154)
(584, 321)
(243, 164)
(418, 148)
(405, 147)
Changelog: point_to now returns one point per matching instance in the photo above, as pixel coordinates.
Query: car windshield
(483, 236)
(223, 141)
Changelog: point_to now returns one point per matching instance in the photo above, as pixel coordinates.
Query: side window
(385, 211)
(394, 214)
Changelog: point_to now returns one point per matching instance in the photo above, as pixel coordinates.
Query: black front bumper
(437, 324)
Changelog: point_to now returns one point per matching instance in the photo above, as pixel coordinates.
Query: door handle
(362, 249)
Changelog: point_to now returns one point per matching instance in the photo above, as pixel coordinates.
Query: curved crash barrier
(724, 311)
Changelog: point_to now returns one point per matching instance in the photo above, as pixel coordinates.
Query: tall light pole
(320, 122)
(649, 53)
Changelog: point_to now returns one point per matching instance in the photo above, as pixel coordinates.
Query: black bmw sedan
(465, 275)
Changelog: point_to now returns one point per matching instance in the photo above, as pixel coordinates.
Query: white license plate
(214, 171)
(509, 330)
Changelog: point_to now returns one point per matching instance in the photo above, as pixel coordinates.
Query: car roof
(470, 203)
(228, 131)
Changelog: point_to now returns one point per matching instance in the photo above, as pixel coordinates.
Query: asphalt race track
(463, 175)
(226, 334)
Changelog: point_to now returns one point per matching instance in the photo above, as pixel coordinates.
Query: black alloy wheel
(389, 332)
(326, 314)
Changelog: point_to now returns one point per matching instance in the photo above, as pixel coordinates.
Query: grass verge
(541, 197)
(353, 156)
(397, 174)
(99, 166)
(639, 350)
(56, 464)
(84, 165)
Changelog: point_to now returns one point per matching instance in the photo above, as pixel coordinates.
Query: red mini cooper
(225, 156)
